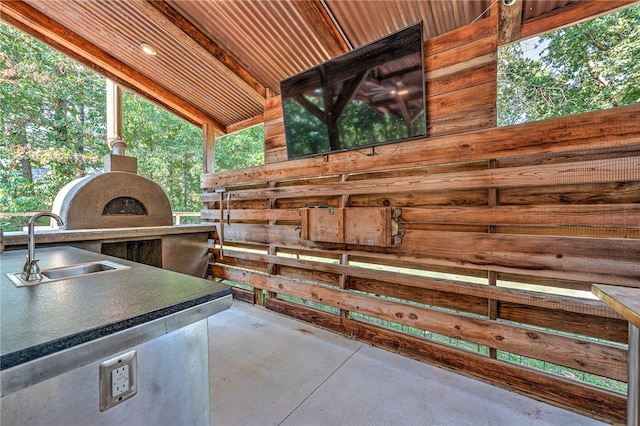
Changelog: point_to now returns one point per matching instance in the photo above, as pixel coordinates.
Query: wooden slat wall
(460, 76)
(552, 205)
(275, 145)
(505, 230)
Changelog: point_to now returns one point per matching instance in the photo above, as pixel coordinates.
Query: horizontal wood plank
(474, 98)
(590, 401)
(625, 301)
(236, 215)
(581, 172)
(570, 15)
(244, 295)
(588, 356)
(595, 130)
(600, 260)
(449, 82)
(462, 54)
(461, 36)
(532, 298)
(595, 326)
(601, 215)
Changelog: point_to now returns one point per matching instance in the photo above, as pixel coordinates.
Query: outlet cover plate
(117, 380)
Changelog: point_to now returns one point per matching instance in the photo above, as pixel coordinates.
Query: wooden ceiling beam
(245, 124)
(509, 22)
(50, 32)
(195, 40)
(322, 25)
(570, 15)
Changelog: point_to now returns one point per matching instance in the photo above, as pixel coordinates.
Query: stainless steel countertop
(44, 319)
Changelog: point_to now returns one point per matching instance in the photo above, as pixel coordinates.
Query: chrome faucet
(31, 270)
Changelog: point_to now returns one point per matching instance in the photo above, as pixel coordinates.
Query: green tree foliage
(52, 110)
(53, 122)
(309, 132)
(51, 132)
(169, 150)
(590, 66)
(359, 125)
(241, 149)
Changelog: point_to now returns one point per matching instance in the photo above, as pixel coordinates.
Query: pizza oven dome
(112, 200)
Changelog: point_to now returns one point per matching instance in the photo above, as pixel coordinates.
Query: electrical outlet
(117, 380)
(120, 380)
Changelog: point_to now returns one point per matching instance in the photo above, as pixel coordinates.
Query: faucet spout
(31, 270)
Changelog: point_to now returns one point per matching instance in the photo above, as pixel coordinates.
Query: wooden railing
(504, 232)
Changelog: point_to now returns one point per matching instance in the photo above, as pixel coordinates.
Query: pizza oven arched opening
(124, 206)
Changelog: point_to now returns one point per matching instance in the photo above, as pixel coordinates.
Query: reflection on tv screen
(368, 96)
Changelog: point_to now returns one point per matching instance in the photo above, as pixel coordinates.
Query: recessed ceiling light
(148, 49)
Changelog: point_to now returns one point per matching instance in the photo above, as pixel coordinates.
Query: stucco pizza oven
(114, 199)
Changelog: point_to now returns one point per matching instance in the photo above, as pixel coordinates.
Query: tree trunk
(79, 144)
(25, 165)
(25, 161)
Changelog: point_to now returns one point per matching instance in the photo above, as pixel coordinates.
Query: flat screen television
(369, 96)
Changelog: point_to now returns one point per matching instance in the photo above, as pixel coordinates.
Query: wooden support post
(221, 228)
(258, 296)
(493, 275)
(344, 257)
(509, 22)
(208, 158)
(272, 269)
(208, 165)
(208, 148)
(344, 313)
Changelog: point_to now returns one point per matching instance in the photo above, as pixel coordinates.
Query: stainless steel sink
(68, 272)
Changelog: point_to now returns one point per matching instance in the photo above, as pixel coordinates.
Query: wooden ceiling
(218, 60)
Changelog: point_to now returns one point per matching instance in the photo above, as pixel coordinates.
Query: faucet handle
(31, 271)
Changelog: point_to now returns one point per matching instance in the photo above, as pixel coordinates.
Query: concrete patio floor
(272, 370)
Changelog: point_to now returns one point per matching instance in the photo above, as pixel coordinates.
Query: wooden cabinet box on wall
(367, 226)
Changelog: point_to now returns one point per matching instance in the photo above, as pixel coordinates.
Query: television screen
(371, 95)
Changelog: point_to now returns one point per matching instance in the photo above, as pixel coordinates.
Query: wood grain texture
(452, 89)
(542, 210)
(509, 22)
(452, 287)
(597, 215)
(588, 400)
(570, 15)
(605, 360)
(597, 130)
(602, 260)
(275, 145)
(244, 295)
(625, 301)
(460, 54)
(571, 173)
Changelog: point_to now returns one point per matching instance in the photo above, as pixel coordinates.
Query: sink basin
(68, 272)
(80, 269)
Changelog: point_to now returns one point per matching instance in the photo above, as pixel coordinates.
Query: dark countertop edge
(29, 354)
